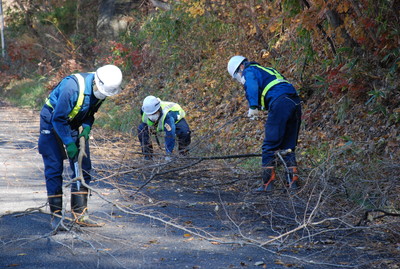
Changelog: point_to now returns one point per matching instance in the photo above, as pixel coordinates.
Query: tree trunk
(86, 21)
(106, 13)
(259, 33)
(319, 26)
(335, 21)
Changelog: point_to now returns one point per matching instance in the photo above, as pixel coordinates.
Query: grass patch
(26, 93)
(117, 117)
(251, 164)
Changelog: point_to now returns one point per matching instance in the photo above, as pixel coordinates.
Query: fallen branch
(166, 172)
(368, 217)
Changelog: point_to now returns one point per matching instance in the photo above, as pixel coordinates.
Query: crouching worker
(70, 105)
(160, 116)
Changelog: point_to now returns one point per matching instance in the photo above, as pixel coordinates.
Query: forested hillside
(343, 57)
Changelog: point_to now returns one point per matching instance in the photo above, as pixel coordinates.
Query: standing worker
(267, 89)
(159, 116)
(70, 105)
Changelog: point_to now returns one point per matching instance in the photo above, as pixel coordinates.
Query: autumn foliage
(342, 56)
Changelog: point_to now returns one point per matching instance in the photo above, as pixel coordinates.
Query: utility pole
(3, 50)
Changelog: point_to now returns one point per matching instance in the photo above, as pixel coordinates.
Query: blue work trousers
(53, 154)
(282, 129)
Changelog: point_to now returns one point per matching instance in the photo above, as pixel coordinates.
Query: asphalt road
(126, 241)
(193, 218)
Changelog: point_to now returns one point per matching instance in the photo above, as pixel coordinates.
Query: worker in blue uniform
(161, 116)
(267, 89)
(70, 105)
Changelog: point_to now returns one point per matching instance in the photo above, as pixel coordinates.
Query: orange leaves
(274, 26)
(338, 86)
(252, 29)
(195, 8)
(318, 3)
(368, 22)
(343, 7)
(25, 50)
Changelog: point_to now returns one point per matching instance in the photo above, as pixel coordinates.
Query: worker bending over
(70, 105)
(267, 89)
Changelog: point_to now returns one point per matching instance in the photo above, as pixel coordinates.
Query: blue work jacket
(257, 79)
(171, 119)
(63, 99)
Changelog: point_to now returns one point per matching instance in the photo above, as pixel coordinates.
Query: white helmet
(234, 64)
(151, 104)
(108, 79)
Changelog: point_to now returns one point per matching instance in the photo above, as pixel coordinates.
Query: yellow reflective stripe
(178, 108)
(279, 79)
(268, 87)
(48, 103)
(166, 107)
(271, 71)
(181, 115)
(81, 97)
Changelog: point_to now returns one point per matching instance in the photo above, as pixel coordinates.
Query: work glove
(72, 150)
(253, 113)
(85, 132)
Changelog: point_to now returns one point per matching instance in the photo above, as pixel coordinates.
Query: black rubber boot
(79, 206)
(268, 178)
(292, 178)
(55, 203)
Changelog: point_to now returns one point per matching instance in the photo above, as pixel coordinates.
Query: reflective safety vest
(81, 97)
(165, 107)
(278, 79)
